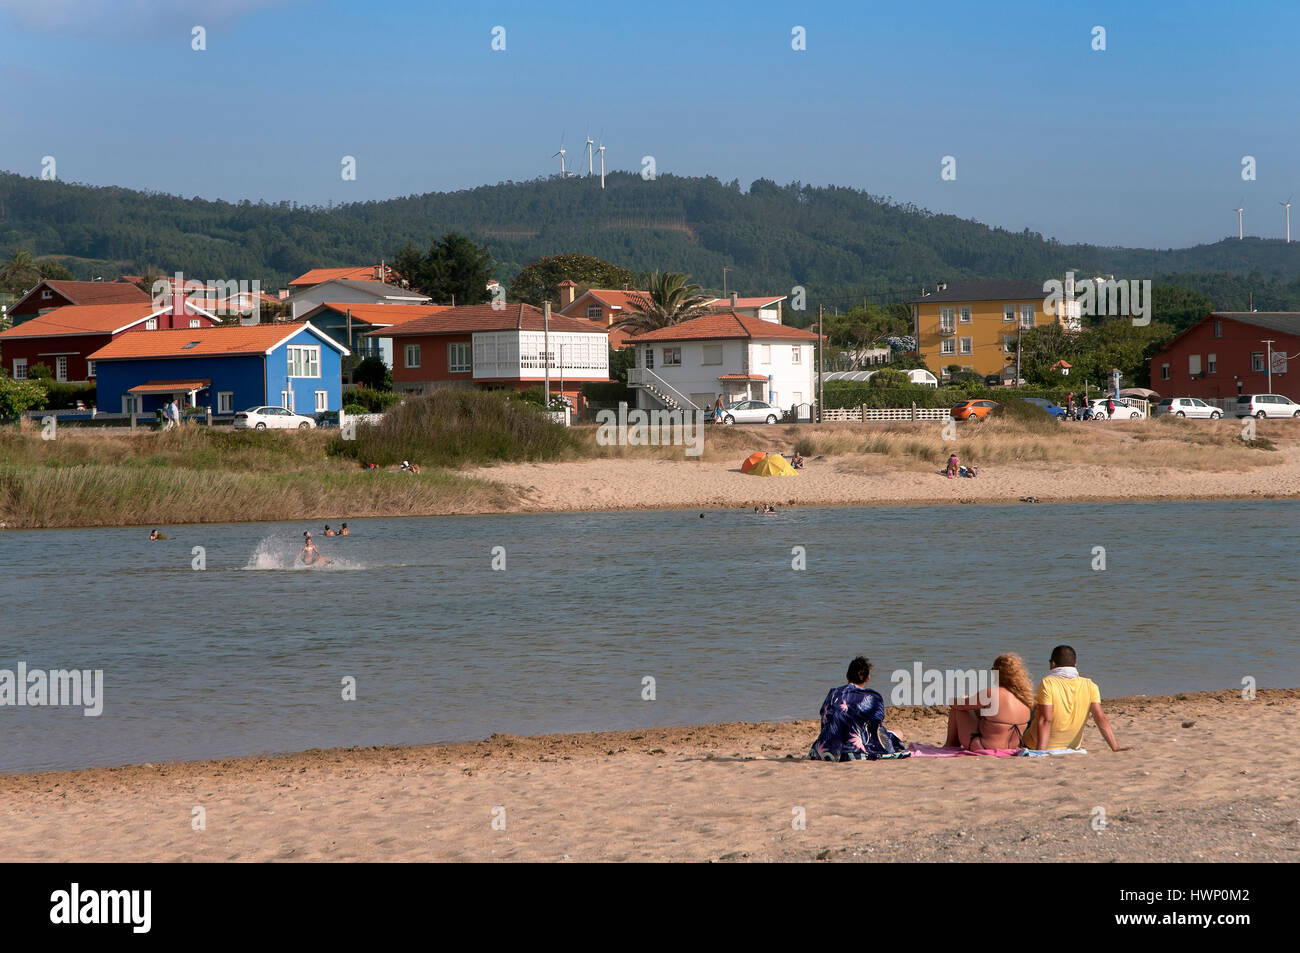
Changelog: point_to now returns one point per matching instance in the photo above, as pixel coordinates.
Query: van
(1266, 405)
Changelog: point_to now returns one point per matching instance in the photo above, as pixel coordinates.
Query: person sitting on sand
(344, 531)
(953, 466)
(853, 722)
(328, 531)
(797, 460)
(156, 535)
(409, 467)
(993, 723)
(1064, 700)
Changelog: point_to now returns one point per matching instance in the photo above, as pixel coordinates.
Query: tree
(455, 269)
(539, 281)
(373, 373)
(19, 273)
(669, 301)
(18, 396)
(54, 271)
(888, 377)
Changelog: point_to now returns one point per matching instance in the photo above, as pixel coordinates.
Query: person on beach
(718, 410)
(797, 460)
(954, 467)
(344, 531)
(1069, 405)
(1110, 408)
(409, 467)
(852, 719)
(328, 531)
(1007, 715)
(1064, 700)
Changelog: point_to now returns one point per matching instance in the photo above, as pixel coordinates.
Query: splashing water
(276, 552)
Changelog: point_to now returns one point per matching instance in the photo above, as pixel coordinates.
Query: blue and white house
(226, 368)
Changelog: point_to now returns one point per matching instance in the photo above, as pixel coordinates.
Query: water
(249, 655)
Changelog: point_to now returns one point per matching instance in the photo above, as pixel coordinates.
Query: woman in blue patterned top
(852, 717)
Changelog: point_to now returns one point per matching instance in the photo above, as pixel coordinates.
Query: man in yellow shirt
(1064, 700)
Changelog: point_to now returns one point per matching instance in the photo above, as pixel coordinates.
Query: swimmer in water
(345, 531)
(310, 555)
(328, 531)
(156, 535)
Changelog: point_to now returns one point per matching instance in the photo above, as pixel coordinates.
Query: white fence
(845, 414)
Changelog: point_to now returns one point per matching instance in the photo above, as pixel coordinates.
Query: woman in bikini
(1002, 727)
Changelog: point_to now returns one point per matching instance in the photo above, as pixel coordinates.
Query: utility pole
(352, 361)
(725, 269)
(821, 365)
(1268, 363)
(1020, 329)
(546, 351)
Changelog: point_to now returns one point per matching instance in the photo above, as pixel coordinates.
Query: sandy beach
(1212, 778)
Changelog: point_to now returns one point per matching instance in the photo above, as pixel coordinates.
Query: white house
(768, 308)
(736, 355)
(347, 291)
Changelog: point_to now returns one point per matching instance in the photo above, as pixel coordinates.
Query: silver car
(272, 418)
(1187, 407)
(1266, 405)
(751, 412)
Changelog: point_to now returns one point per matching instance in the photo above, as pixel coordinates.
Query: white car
(1266, 405)
(272, 418)
(1187, 407)
(1125, 408)
(751, 412)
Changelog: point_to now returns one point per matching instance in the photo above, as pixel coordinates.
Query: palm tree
(20, 272)
(669, 301)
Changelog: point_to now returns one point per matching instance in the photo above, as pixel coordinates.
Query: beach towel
(939, 751)
(1030, 753)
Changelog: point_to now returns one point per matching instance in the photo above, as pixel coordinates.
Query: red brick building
(1227, 353)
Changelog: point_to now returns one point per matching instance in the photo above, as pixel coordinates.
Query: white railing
(647, 378)
(846, 414)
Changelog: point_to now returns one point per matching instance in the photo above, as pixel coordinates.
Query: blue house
(227, 368)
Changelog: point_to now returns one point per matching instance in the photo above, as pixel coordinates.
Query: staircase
(660, 389)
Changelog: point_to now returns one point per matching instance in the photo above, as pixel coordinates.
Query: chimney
(568, 287)
(379, 272)
(178, 303)
(734, 298)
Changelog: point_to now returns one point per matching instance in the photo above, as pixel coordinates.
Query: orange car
(975, 410)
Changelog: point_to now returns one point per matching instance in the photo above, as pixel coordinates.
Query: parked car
(272, 418)
(974, 410)
(1266, 405)
(1187, 407)
(1047, 405)
(748, 412)
(1128, 407)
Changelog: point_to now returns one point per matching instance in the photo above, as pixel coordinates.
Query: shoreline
(724, 791)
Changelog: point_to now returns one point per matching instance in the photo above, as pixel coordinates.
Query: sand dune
(1213, 778)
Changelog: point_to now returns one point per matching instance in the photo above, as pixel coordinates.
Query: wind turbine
(1287, 203)
(602, 160)
(563, 173)
(1240, 233)
(590, 143)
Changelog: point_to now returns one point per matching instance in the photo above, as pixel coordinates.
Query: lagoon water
(249, 655)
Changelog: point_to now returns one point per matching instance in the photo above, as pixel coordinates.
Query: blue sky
(1140, 144)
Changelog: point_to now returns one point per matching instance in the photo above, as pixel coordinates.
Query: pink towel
(939, 751)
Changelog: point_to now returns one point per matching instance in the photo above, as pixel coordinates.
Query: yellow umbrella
(772, 465)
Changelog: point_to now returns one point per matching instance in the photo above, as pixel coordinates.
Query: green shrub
(369, 401)
(18, 396)
(458, 426)
(374, 374)
(64, 396)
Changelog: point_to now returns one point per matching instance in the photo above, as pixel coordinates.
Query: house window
(1026, 315)
(948, 346)
(947, 318)
(1164, 372)
(225, 402)
(47, 294)
(61, 368)
(1256, 361)
(20, 368)
(712, 354)
(459, 360)
(412, 355)
(194, 322)
(1193, 364)
(595, 312)
(322, 401)
(90, 368)
(1211, 363)
(151, 324)
(767, 354)
(966, 345)
(1008, 312)
(796, 354)
(304, 360)
(963, 314)
(1218, 329)
(1008, 344)
(672, 357)
(649, 358)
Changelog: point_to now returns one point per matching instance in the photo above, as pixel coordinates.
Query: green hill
(840, 244)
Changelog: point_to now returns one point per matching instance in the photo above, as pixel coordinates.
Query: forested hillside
(841, 244)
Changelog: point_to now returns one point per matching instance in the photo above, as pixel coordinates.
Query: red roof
(317, 275)
(725, 326)
(84, 319)
(724, 304)
(618, 300)
(195, 342)
(742, 377)
(380, 315)
(90, 292)
(484, 317)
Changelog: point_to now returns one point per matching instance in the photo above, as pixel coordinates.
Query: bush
(458, 426)
(64, 396)
(367, 401)
(18, 396)
(1029, 416)
(857, 394)
(373, 373)
(888, 377)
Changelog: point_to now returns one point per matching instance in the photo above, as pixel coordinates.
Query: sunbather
(1064, 701)
(999, 721)
(852, 722)
(953, 466)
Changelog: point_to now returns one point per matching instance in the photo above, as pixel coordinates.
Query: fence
(868, 414)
